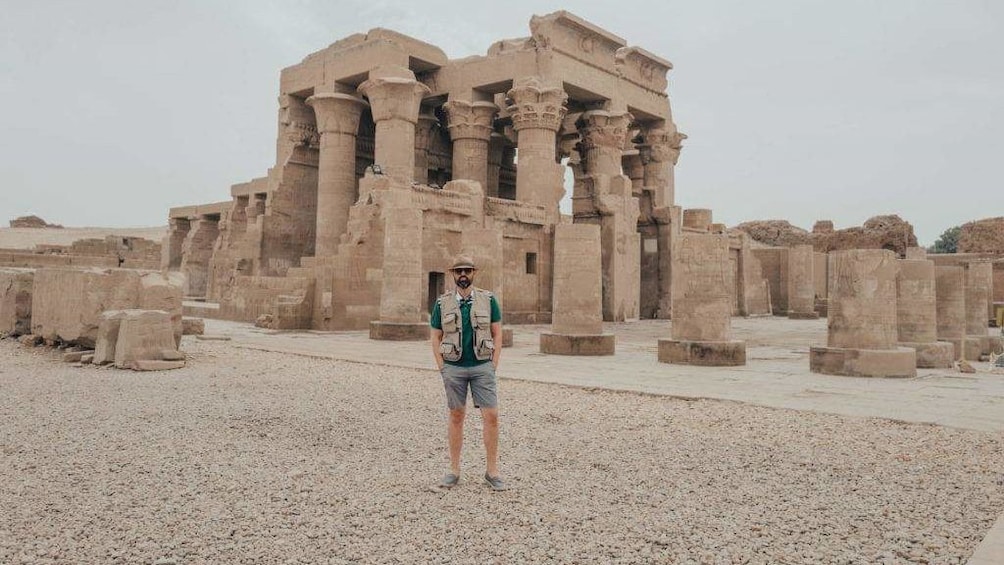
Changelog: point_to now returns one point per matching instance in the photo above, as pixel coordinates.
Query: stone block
(399, 331)
(67, 303)
(172, 355)
(108, 336)
(143, 335)
(73, 356)
(577, 344)
(702, 353)
(163, 291)
(506, 337)
(933, 355)
(87, 358)
(156, 365)
(899, 362)
(193, 326)
(15, 301)
(30, 340)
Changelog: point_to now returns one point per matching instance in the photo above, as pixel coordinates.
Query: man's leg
(456, 436)
(490, 433)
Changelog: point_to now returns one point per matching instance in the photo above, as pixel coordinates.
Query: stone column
(801, 283)
(337, 123)
(979, 277)
(197, 252)
(660, 151)
(496, 148)
(401, 300)
(577, 318)
(423, 136)
(171, 253)
(667, 222)
(537, 111)
(917, 315)
(702, 305)
(395, 97)
(603, 136)
(950, 306)
(862, 335)
(470, 126)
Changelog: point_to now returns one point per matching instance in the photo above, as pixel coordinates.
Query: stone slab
(156, 365)
(730, 353)
(803, 315)
(899, 362)
(398, 331)
(143, 335)
(933, 355)
(565, 344)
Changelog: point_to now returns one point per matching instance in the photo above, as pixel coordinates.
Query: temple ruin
(391, 158)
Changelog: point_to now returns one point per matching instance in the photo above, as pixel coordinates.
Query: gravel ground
(255, 457)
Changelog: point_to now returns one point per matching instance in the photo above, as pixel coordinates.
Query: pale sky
(114, 111)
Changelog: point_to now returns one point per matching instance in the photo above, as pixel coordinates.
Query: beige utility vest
(481, 322)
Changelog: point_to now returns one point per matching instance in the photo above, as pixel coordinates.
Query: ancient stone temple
(392, 158)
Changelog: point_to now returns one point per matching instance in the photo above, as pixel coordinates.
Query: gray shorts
(481, 380)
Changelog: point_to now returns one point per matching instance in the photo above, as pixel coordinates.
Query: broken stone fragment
(193, 326)
(965, 367)
(156, 365)
(30, 340)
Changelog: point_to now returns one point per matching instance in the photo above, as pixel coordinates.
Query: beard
(463, 282)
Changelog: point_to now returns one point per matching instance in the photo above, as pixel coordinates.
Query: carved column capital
(470, 120)
(536, 106)
(661, 144)
(336, 112)
(394, 98)
(601, 128)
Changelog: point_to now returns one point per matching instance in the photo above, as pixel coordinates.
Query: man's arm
(437, 340)
(497, 340)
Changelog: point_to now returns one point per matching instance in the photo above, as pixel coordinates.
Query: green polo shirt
(467, 358)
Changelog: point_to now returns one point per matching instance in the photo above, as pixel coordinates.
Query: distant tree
(948, 242)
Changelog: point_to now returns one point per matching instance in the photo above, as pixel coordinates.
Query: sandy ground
(258, 457)
(27, 238)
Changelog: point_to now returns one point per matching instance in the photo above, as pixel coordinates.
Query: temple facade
(392, 158)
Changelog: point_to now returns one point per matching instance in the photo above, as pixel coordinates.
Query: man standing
(467, 343)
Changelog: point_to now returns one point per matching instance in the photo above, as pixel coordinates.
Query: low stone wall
(287, 300)
(15, 301)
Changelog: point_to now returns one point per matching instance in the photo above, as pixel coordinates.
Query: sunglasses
(464, 271)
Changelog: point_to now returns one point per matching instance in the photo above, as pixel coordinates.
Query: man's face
(463, 277)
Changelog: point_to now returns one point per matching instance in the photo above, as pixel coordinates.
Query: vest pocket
(449, 322)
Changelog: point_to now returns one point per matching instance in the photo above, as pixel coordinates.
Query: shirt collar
(461, 299)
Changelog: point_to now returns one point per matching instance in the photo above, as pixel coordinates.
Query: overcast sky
(114, 111)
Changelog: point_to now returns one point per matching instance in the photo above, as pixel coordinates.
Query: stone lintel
(567, 344)
(730, 353)
(899, 362)
(398, 331)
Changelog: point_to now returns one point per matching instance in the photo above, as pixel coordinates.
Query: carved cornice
(470, 120)
(536, 106)
(336, 112)
(605, 129)
(394, 98)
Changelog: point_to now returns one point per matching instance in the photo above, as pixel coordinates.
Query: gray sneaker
(449, 481)
(496, 483)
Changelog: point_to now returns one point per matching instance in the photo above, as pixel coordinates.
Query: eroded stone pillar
(979, 280)
(667, 222)
(395, 97)
(537, 111)
(470, 126)
(496, 149)
(862, 329)
(577, 318)
(337, 123)
(950, 306)
(603, 136)
(801, 283)
(401, 300)
(172, 252)
(702, 304)
(917, 315)
(660, 151)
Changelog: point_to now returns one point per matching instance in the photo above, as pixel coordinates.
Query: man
(467, 343)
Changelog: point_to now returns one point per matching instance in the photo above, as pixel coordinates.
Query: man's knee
(457, 416)
(490, 416)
